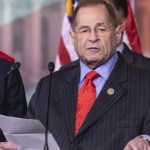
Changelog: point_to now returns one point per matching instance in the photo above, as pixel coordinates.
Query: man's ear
(72, 36)
(123, 23)
(118, 33)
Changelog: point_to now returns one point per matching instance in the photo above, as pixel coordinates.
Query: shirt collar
(104, 70)
(120, 48)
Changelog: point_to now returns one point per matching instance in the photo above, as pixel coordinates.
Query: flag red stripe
(63, 53)
(132, 32)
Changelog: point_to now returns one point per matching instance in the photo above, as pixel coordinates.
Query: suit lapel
(69, 96)
(106, 99)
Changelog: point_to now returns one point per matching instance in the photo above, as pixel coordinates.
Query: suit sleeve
(146, 124)
(15, 98)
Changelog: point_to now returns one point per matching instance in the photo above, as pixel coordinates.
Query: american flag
(66, 52)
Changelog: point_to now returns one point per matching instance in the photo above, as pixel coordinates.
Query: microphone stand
(51, 69)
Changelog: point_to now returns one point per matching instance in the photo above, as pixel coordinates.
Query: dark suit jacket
(135, 59)
(12, 94)
(113, 120)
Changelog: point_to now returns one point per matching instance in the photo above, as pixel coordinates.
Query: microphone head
(15, 66)
(51, 66)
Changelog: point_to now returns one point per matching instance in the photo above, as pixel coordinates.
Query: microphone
(51, 67)
(13, 67)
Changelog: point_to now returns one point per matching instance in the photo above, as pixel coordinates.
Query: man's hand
(137, 144)
(7, 146)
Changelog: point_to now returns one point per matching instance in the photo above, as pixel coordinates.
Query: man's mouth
(93, 49)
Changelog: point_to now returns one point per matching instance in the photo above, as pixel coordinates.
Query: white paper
(26, 134)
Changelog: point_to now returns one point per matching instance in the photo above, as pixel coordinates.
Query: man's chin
(94, 60)
(93, 64)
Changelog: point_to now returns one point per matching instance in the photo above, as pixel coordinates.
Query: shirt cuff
(146, 137)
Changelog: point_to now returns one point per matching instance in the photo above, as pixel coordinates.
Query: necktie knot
(92, 75)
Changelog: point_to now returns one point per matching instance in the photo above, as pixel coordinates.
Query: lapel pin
(110, 91)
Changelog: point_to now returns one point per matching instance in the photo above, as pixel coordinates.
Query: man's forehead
(94, 8)
(98, 11)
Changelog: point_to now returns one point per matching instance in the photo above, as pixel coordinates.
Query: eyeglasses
(100, 30)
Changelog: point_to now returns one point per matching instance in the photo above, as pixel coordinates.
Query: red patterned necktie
(86, 99)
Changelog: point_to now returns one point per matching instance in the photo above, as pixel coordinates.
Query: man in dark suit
(131, 57)
(97, 102)
(12, 94)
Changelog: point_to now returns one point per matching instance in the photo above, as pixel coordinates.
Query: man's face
(94, 37)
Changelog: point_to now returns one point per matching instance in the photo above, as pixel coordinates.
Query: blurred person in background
(121, 8)
(12, 93)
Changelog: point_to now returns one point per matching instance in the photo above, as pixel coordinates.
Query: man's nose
(93, 36)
